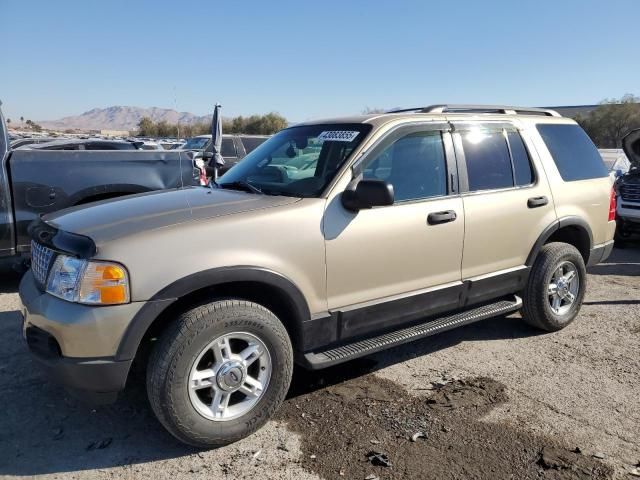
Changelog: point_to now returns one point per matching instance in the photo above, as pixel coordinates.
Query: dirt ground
(494, 400)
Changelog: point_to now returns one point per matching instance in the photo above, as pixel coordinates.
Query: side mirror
(619, 173)
(368, 194)
(207, 155)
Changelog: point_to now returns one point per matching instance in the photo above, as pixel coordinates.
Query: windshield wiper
(241, 185)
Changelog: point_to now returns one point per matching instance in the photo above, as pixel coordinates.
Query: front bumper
(76, 344)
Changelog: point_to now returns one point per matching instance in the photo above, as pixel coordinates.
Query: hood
(130, 215)
(631, 147)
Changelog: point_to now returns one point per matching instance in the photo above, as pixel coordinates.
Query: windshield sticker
(338, 136)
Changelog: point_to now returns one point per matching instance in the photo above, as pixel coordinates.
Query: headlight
(84, 281)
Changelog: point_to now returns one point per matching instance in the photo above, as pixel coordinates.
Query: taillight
(612, 205)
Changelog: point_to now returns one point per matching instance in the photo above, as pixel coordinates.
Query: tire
(185, 342)
(537, 309)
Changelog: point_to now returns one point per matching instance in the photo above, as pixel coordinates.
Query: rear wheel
(556, 287)
(219, 372)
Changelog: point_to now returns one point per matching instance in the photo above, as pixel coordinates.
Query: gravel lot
(495, 400)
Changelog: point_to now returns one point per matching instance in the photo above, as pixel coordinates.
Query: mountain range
(122, 118)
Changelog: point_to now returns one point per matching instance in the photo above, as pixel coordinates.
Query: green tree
(147, 128)
(612, 120)
(21, 119)
(8, 121)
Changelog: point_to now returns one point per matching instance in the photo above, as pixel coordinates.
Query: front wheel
(555, 290)
(219, 372)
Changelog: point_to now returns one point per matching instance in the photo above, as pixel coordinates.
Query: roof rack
(462, 108)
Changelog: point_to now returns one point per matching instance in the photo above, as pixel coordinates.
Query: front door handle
(436, 218)
(535, 202)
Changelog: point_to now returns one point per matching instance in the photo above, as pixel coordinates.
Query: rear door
(507, 203)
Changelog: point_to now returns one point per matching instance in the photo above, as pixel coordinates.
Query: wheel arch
(268, 288)
(572, 230)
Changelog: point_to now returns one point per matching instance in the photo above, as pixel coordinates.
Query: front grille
(630, 192)
(41, 258)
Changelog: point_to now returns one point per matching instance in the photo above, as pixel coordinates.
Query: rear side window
(250, 143)
(576, 157)
(488, 160)
(228, 149)
(521, 162)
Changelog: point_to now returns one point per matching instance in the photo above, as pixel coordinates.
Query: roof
(446, 113)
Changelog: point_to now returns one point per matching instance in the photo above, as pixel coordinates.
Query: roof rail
(463, 108)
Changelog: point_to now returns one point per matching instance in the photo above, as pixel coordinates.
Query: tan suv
(332, 240)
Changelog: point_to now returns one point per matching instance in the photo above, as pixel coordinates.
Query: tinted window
(250, 143)
(415, 166)
(488, 161)
(521, 162)
(573, 151)
(228, 149)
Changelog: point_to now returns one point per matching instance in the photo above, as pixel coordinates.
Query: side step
(317, 360)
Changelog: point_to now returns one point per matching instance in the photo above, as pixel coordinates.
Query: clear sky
(309, 59)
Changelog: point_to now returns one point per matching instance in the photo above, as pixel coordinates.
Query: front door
(393, 264)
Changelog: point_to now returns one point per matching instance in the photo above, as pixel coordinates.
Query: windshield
(298, 161)
(196, 143)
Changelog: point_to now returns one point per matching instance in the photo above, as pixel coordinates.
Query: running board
(317, 360)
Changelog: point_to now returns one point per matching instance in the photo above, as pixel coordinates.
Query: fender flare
(568, 221)
(166, 297)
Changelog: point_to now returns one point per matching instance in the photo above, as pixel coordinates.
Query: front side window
(414, 164)
(298, 161)
(487, 158)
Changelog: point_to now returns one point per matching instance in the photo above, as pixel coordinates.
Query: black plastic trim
(206, 278)
(94, 380)
(600, 253)
(551, 229)
(61, 241)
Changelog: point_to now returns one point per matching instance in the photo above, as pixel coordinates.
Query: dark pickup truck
(34, 182)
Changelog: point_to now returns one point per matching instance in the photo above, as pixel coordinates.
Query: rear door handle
(535, 202)
(436, 218)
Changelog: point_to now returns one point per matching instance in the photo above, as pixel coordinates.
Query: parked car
(38, 179)
(83, 144)
(150, 146)
(333, 240)
(628, 186)
(234, 147)
(21, 142)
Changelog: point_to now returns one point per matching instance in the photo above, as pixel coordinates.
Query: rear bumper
(600, 253)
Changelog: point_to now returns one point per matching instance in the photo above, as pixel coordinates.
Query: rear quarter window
(575, 155)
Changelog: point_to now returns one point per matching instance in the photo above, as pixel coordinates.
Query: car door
(393, 264)
(507, 203)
